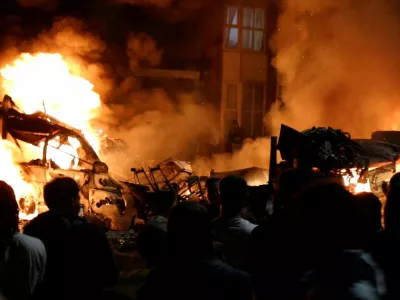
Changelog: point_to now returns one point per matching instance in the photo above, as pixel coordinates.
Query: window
(253, 109)
(253, 29)
(230, 110)
(232, 30)
(245, 26)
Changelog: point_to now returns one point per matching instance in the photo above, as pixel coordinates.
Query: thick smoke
(156, 129)
(253, 154)
(142, 49)
(154, 124)
(339, 64)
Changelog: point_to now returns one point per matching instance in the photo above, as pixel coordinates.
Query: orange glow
(11, 173)
(352, 182)
(47, 82)
(256, 182)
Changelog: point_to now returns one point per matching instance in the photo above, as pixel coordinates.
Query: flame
(352, 181)
(47, 82)
(11, 172)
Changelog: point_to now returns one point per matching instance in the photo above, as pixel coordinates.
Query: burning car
(64, 152)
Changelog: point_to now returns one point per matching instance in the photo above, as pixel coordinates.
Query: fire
(47, 82)
(353, 182)
(12, 174)
(256, 182)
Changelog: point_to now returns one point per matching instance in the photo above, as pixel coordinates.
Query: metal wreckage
(117, 204)
(334, 153)
(105, 200)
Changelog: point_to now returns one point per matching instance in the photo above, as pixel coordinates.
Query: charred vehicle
(365, 163)
(104, 199)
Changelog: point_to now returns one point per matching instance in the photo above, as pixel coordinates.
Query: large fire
(47, 82)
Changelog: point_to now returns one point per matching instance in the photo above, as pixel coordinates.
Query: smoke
(252, 154)
(156, 129)
(142, 49)
(339, 65)
(153, 122)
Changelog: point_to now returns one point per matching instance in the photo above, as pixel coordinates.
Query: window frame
(239, 26)
(224, 107)
(253, 111)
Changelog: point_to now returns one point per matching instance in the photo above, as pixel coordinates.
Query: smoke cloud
(155, 124)
(156, 129)
(339, 64)
(253, 154)
(142, 50)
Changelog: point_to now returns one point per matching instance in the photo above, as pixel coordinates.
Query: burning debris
(172, 175)
(103, 198)
(362, 165)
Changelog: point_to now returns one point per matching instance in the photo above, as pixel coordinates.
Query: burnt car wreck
(104, 199)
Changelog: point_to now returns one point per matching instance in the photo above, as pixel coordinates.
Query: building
(248, 82)
(224, 45)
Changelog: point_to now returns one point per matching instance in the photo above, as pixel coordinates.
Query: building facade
(228, 41)
(247, 81)
(244, 69)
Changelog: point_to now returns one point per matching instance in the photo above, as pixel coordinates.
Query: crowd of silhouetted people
(320, 243)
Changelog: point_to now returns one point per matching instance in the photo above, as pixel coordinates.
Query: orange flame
(352, 182)
(47, 82)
